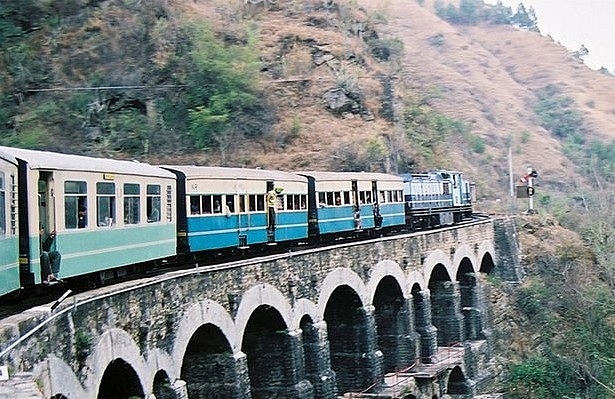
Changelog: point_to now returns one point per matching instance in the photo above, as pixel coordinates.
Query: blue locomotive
(111, 218)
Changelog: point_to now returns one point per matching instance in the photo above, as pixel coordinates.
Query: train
(111, 218)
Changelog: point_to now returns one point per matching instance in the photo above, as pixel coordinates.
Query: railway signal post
(527, 190)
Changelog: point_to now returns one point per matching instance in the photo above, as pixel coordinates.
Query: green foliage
(540, 377)
(385, 49)
(558, 114)
(478, 144)
(428, 130)
(525, 19)
(221, 94)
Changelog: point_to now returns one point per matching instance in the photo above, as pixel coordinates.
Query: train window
(153, 201)
(206, 204)
(446, 188)
(132, 203)
(382, 196)
(368, 197)
(252, 203)
(389, 196)
(297, 201)
(322, 201)
(330, 200)
(347, 197)
(195, 207)
(75, 200)
(289, 202)
(2, 205)
(105, 204)
(280, 202)
(362, 197)
(242, 203)
(230, 203)
(260, 203)
(217, 203)
(303, 201)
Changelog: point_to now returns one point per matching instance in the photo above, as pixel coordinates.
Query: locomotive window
(446, 188)
(153, 201)
(2, 205)
(75, 199)
(206, 202)
(105, 204)
(132, 203)
(195, 207)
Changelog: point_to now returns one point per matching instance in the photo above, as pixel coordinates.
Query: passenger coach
(353, 201)
(9, 238)
(107, 214)
(225, 208)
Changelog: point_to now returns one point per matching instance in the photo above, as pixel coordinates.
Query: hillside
(484, 79)
(380, 85)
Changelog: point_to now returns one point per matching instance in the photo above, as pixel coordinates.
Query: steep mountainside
(345, 81)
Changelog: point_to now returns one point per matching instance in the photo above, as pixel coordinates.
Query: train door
(457, 187)
(376, 199)
(243, 216)
(271, 201)
(46, 202)
(356, 207)
(46, 217)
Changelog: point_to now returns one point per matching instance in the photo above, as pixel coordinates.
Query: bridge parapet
(153, 326)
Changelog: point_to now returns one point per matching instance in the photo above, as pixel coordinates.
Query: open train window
(132, 203)
(195, 205)
(105, 204)
(153, 202)
(75, 204)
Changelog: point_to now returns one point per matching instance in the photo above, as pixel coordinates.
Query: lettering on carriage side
(108, 176)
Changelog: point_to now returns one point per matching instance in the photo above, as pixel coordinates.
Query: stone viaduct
(404, 317)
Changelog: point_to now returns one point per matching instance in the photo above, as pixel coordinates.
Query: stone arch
(415, 278)
(338, 277)
(304, 307)
(204, 312)
(438, 257)
(486, 251)
(261, 294)
(162, 387)
(120, 380)
(457, 383)
(116, 344)
(60, 377)
(383, 269)
(464, 251)
(445, 307)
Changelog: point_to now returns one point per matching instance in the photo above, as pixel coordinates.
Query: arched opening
(351, 345)
(208, 366)
(162, 386)
(120, 381)
(457, 384)
(393, 324)
(487, 264)
(271, 355)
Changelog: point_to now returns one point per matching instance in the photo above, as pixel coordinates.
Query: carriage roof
(349, 176)
(58, 161)
(216, 172)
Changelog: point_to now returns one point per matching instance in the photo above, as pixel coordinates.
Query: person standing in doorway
(50, 258)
